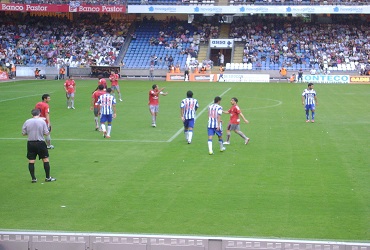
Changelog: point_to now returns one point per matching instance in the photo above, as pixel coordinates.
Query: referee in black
(35, 128)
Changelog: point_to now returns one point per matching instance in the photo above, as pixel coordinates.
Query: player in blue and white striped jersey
(309, 100)
(188, 107)
(215, 124)
(107, 107)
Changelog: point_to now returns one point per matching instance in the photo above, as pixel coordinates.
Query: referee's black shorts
(35, 148)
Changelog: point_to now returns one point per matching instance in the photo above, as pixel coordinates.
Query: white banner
(245, 77)
(221, 43)
(326, 78)
(251, 9)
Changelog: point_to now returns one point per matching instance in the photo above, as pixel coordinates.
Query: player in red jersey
(95, 96)
(70, 88)
(44, 109)
(234, 123)
(154, 102)
(101, 81)
(114, 84)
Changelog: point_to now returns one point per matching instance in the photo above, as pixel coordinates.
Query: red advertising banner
(175, 77)
(3, 75)
(83, 8)
(203, 77)
(98, 8)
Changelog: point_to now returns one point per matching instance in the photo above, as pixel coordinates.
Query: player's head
(70, 77)
(45, 97)
(310, 85)
(101, 87)
(217, 99)
(154, 86)
(100, 76)
(189, 94)
(35, 112)
(109, 90)
(234, 99)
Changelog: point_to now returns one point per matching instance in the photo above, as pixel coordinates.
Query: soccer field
(293, 180)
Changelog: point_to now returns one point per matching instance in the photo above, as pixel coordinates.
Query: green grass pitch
(293, 180)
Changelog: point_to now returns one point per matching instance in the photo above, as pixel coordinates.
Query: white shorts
(154, 108)
(115, 88)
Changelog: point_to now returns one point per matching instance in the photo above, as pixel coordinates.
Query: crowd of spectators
(282, 41)
(173, 35)
(47, 41)
(285, 41)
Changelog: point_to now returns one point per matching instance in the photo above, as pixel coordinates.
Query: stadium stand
(47, 41)
(165, 43)
(267, 43)
(272, 42)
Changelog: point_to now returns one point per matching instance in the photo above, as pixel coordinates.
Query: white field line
(16, 98)
(33, 81)
(270, 106)
(87, 140)
(198, 114)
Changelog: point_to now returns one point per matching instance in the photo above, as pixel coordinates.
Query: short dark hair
(309, 84)
(154, 86)
(235, 99)
(217, 99)
(101, 87)
(45, 96)
(109, 90)
(189, 94)
(35, 112)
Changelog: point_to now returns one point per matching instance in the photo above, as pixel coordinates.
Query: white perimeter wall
(90, 241)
